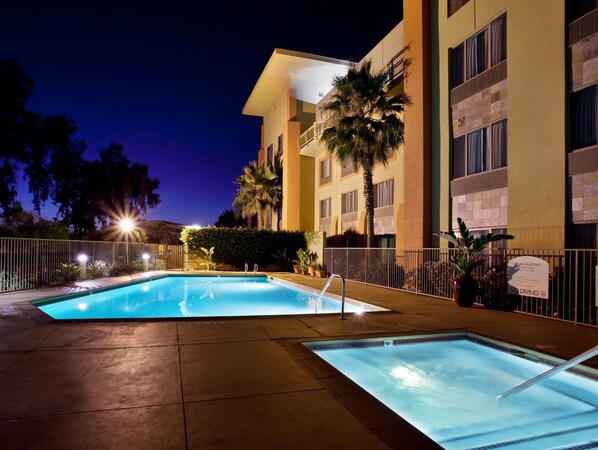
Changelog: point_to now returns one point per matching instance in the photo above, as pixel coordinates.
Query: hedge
(237, 246)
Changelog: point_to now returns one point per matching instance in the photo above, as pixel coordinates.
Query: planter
(464, 291)
(319, 273)
(296, 268)
(312, 271)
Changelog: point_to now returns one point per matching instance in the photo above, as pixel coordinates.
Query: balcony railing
(311, 133)
(396, 67)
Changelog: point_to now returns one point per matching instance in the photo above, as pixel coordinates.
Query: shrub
(493, 290)
(431, 278)
(237, 246)
(98, 269)
(14, 281)
(68, 272)
(124, 268)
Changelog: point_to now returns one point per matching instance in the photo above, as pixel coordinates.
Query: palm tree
(258, 192)
(275, 166)
(364, 125)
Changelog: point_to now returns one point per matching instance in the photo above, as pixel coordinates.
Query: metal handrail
(529, 383)
(332, 276)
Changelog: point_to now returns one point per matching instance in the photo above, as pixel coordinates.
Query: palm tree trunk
(368, 192)
(260, 220)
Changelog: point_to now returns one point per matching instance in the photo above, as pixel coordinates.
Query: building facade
(501, 130)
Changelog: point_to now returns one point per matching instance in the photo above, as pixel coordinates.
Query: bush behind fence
(28, 263)
(572, 277)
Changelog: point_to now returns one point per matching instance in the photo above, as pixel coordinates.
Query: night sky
(168, 79)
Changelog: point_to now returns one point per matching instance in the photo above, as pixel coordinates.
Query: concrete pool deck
(223, 383)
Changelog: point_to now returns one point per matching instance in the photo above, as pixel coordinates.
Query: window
(270, 153)
(485, 49)
(347, 167)
(325, 171)
(459, 157)
(455, 5)
(498, 38)
(481, 150)
(478, 158)
(579, 8)
(325, 208)
(349, 202)
(458, 65)
(583, 118)
(499, 144)
(384, 193)
(475, 55)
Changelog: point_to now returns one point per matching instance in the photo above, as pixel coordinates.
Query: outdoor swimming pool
(196, 296)
(446, 386)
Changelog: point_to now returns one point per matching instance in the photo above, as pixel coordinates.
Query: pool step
(575, 430)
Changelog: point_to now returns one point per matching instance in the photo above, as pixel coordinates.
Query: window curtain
(325, 208)
(459, 157)
(471, 64)
(499, 144)
(476, 54)
(482, 60)
(384, 194)
(498, 39)
(349, 202)
(583, 118)
(476, 152)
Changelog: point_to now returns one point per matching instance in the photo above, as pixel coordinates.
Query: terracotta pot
(296, 268)
(464, 291)
(312, 271)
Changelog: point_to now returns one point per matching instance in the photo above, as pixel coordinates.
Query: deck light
(82, 258)
(146, 258)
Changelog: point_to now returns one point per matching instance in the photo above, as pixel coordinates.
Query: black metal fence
(571, 283)
(27, 263)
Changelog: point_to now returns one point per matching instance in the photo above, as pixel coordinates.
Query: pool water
(447, 388)
(196, 296)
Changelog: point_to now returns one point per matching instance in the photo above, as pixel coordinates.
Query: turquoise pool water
(196, 296)
(447, 387)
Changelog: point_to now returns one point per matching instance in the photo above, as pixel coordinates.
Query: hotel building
(501, 130)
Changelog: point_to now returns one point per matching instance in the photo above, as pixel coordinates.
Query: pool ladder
(332, 276)
(549, 373)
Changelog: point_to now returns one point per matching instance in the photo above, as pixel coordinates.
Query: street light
(126, 225)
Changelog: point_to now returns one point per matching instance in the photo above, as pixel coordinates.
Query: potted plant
(319, 271)
(305, 259)
(466, 259)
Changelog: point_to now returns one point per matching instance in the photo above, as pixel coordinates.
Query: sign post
(528, 276)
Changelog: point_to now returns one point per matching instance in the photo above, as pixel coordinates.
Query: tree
(258, 192)
(364, 125)
(118, 188)
(43, 149)
(15, 88)
(16, 222)
(230, 219)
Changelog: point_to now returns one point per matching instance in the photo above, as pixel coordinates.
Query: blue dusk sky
(168, 80)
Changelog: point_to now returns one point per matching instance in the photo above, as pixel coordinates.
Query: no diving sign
(528, 276)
